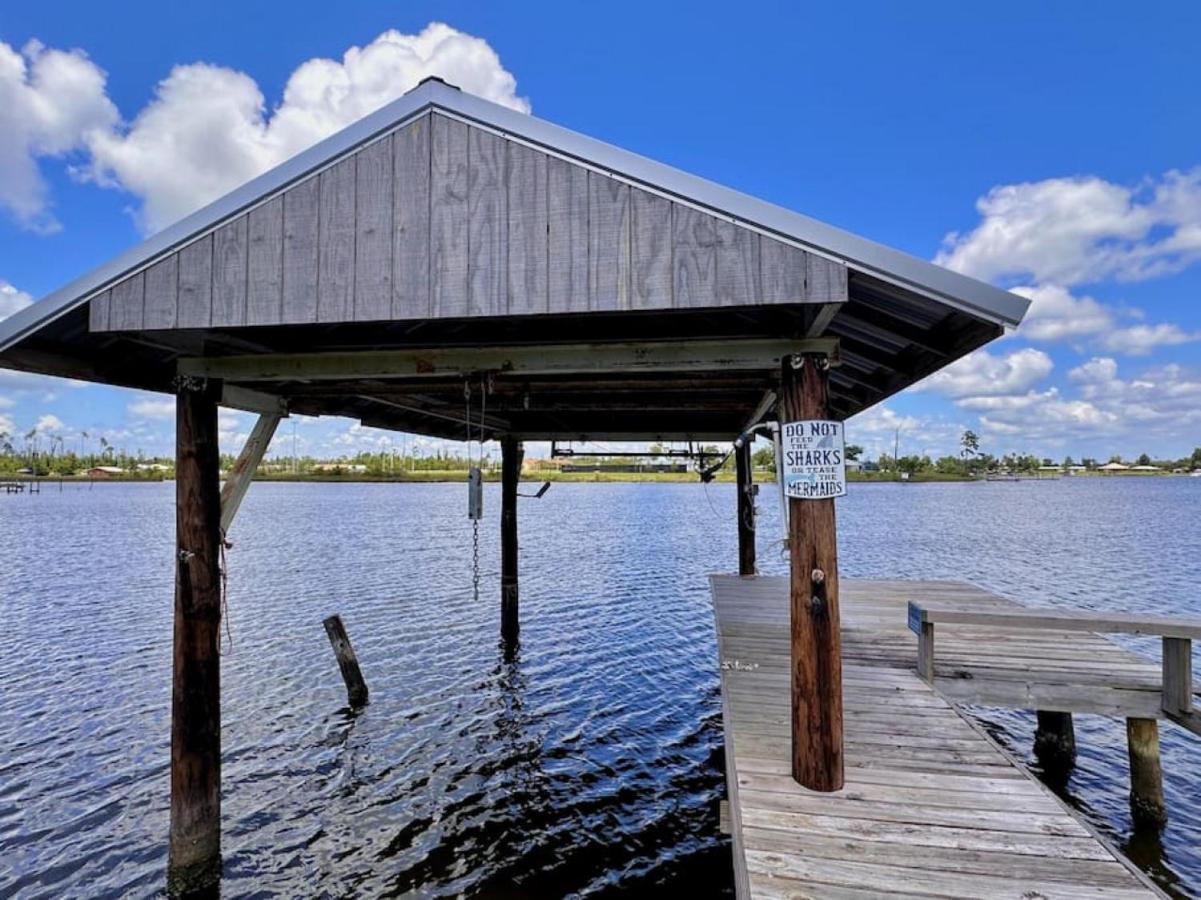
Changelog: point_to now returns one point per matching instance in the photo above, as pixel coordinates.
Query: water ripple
(590, 764)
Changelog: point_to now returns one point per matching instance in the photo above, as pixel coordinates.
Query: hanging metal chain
(475, 559)
(475, 522)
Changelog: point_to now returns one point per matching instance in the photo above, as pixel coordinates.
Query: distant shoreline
(457, 476)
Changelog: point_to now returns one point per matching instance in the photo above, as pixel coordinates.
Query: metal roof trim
(959, 291)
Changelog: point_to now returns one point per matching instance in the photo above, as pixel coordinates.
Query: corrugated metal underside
(889, 339)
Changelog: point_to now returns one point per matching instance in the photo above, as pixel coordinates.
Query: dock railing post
(194, 854)
(816, 642)
(512, 452)
(746, 510)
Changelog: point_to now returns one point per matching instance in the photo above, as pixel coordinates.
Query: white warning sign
(814, 459)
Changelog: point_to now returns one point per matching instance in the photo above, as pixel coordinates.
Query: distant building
(1113, 467)
(347, 468)
(105, 471)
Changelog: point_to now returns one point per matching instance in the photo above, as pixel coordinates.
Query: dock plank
(931, 806)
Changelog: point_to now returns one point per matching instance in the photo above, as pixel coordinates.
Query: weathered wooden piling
(512, 453)
(746, 509)
(817, 739)
(348, 662)
(1055, 740)
(1146, 774)
(194, 857)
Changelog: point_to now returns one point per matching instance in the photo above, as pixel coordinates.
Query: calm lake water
(591, 764)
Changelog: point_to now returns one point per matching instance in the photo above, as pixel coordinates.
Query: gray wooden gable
(442, 219)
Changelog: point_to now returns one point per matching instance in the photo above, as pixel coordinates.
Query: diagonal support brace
(244, 468)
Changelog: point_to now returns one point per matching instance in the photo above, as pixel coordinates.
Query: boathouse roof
(443, 237)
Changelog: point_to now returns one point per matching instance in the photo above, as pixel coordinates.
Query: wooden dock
(932, 806)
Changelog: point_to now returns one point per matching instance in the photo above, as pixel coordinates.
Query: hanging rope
(223, 569)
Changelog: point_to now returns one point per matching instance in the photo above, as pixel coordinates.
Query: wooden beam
(549, 359)
(244, 467)
(822, 318)
(746, 510)
(817, 734)
(194, 856)
(459, 417)
(541, 434)
(766, 404)
(1066, 620)
(512, 453)
(247, 400)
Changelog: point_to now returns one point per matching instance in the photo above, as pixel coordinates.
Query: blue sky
(1051, 148)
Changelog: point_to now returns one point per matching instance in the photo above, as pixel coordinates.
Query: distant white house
(1113, 467)
(1144, 468)
(351, 468)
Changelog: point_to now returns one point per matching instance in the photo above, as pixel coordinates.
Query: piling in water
(1146, 774)
(356, 687)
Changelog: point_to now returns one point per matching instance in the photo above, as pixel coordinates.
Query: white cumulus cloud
(983, 374)
(152, 409)
(209, 129)
(51, 102)
(1056, 314)
(1139, 340)
(12, 299)
(49, 422)
(1081, 230)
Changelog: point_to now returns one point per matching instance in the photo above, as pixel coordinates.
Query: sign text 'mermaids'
(814, 463)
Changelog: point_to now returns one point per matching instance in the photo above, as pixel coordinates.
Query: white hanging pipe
(775, 433)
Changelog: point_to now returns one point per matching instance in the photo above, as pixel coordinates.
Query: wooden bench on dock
(1052, 659)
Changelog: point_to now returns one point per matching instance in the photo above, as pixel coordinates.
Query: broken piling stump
(356, 687)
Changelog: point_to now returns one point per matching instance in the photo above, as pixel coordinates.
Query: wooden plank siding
(443, 219)
(265, 263)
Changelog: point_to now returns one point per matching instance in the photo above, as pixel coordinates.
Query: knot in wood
(185, 556)
(188, 383)
(817, 576)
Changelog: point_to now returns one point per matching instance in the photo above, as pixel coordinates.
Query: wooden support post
(348, 662)
(1055, 740)
(1177, 675)
(1146, 774)
(194, 857)
(512, 453)
(925, 652)
(746, 510)
(817, 746)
